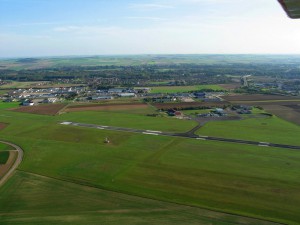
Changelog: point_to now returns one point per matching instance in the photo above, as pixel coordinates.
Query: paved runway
(182, 135)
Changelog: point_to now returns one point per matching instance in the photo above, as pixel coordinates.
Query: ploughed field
(285, 107)
(106, 107)
(70, 176)
(47, 109)
(257, 97)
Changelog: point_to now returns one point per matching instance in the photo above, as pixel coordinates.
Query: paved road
(185, 135)
(16, 163)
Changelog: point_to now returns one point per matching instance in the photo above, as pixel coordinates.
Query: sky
(31, 28)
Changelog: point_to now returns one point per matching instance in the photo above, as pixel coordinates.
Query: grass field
(130, 120)
(8, 105)
(274, 130)
(16, 84)
(4, 157)
(4, 147)
(51, 201)
(240, 179)
(179, 89)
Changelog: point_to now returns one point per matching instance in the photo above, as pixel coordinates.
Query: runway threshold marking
(260, 145)
(153, 131)
(150, 133)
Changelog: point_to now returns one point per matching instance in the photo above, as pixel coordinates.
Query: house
(173, 112)
(200, 95)
(177, 113)
(27, 102)
(126, 95)
(219, 112)
(102, 97)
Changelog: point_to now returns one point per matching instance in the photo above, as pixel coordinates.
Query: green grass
(4, 157)
(179, 89)
(130, 120)
(4, 147)
(51, 201)
(239, 179)
(273, 129)
(8, 105)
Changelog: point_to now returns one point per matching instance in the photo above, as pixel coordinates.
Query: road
(16, 163)
(189, 134)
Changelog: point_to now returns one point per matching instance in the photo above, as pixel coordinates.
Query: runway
(181, 135)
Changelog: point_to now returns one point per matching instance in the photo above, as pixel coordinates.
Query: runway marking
(264, 143)
(202, 139)
(66, 123)
(150, 133)
(261, 145)
(153, 131)
(101, 128)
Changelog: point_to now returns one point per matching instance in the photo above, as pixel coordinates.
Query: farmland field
(71, 169)
(178, 89)
(15, 84)
(183, 105)
(106, 107)
(48, 109)
(259, 98)
(287, 112)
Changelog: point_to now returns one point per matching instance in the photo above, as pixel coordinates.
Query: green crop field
(179, 89)
(69, 175)
(4, 157)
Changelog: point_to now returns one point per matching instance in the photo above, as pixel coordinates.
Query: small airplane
(291, 7)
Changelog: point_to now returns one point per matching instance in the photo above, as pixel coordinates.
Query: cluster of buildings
(242, 109)
(106, 94)
(84, 94)
(44, 95)
(217, 112)
(184, 97)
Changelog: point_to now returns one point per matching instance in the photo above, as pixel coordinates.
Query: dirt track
(15, 164)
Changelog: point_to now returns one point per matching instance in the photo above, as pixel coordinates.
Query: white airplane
(292, 8)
